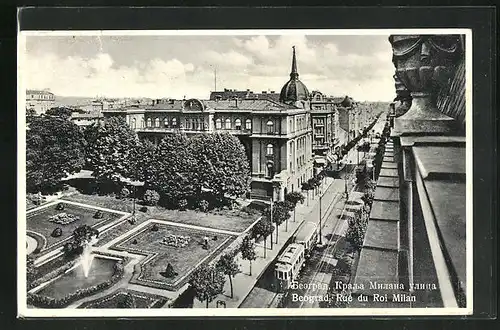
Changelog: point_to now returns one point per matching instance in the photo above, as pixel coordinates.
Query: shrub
(151, 197)
(134, 241)
(57, 232)
(182, 204)
(155, 227)
(203, 205)
(99, 215)
(169, 271)
(60, 207)
(143, 209)
(124, 193)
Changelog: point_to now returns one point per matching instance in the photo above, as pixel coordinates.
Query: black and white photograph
(245, 172)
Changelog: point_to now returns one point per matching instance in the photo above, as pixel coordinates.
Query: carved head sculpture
(423, 62)
(403, 97)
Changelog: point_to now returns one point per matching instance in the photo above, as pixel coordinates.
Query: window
(157, 122)
(142, 122)
(248, 124)
(149, 122)
(174, 122)
(237, 123)
(270, 126)
(228, 123)
(270, 149)
(132, 123)
(218, 123)
(165, 122)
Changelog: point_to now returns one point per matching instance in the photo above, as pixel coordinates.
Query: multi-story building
(325, 130)
(39, 100)
(276, 134)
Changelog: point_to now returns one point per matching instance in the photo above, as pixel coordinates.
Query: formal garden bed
(73, 285)
(236, 220)
(156, 242)
(125, 298)
(56, 223)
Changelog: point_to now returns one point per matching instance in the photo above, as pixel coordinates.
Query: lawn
(101, 270)
(141, 299)
(231, 220)
(38, 222)
(159, 255)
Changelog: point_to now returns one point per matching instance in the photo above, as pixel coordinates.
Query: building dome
(294, 90)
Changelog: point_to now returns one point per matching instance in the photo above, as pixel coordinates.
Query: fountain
(87, 256)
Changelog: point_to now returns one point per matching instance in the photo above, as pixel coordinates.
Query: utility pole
(320, 226)
(272, 198)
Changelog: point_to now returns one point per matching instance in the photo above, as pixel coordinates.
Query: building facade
(277, 135)
(39, 100)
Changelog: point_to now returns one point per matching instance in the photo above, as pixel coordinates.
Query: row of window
(237, 124)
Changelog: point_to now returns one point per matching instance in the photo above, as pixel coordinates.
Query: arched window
(270, 149)
(142, 122)
(165, 122)
(157, 122)
(149, 122)
(174, 122)
(218, 123)
(270, 126)
(237, 123)
(132, 123)
(248, 124)
(228, 123)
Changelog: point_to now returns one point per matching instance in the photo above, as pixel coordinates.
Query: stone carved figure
(403, 97)
(423, 64)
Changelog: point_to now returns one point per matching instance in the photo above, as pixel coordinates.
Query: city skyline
(178, 66)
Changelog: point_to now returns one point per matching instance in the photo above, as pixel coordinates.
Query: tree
(356, 230)
(294, 198)
(127, 302)
(144, 164)
(62, 112)
(110, 149)
(280, 213)
(151, 197)
(263, 228)
(221, 165)
(54, 149)
(173, 174)
(207, 283)
(228, 266)
(247, 249)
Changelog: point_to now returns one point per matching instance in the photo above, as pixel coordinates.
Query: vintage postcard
(245, 172)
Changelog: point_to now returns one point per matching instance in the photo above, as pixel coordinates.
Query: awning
(320, 160)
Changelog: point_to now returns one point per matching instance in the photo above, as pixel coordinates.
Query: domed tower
(294, 90)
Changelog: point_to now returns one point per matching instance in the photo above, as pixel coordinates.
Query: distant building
(86, 119)
(276, 134)
(39, 100)
(229, 94)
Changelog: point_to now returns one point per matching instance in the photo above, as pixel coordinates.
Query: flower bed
(176, 240)
(63, 218)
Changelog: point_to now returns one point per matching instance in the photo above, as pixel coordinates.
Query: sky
(174, 66)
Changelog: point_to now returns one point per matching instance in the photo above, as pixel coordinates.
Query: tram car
(289, 265)
(307, 236)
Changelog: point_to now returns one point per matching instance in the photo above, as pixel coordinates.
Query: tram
(289, 265)
(307, 235)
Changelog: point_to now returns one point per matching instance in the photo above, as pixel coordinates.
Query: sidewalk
(243, 282)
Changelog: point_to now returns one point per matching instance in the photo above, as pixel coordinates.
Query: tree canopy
(110, 148)
(54, 148)
(222, 164)
(207, 283)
